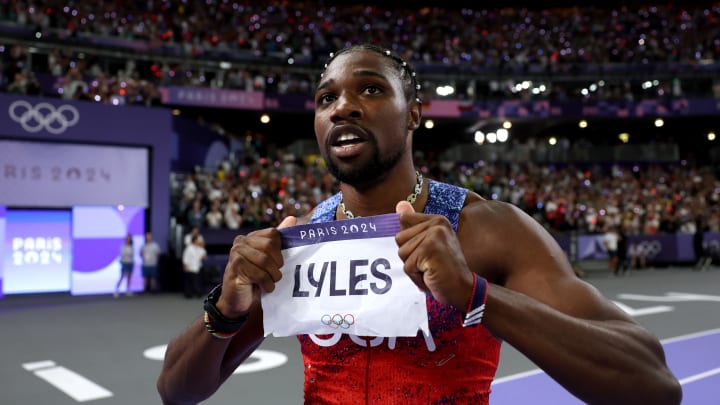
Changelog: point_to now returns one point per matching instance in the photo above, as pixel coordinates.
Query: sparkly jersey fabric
(454, 365)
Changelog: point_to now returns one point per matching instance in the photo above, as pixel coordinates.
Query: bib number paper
(344, 276)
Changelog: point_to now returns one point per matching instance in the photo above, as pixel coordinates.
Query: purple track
(694, 359)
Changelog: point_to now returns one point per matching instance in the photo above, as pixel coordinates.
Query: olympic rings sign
(43, 116)
(651, 248)
(338, 321)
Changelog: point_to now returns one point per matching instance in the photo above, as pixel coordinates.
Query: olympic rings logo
(651, 248)
(43, 116)
(338, 321)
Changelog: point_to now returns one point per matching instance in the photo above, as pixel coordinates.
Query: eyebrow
(357, 73)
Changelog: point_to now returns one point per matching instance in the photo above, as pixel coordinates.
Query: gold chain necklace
(410, 198)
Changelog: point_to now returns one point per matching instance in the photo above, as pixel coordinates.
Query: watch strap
(215, 322)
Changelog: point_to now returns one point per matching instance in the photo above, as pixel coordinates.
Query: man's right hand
(253, 266)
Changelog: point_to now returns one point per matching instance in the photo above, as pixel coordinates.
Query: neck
(382, 197)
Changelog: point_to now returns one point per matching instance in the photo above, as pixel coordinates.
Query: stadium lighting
(624, 137)
(429, 124)
(479, 137)
(552, 141)
(659, 122)
(444, 90)
(265, 118)
(711, 136)
(583, 124)
(502, 135)
(507, 125)
(491, 137)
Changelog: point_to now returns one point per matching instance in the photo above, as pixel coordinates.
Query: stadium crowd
(258, 190)
(278, 47)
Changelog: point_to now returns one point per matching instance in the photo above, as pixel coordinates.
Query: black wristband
(215, 322)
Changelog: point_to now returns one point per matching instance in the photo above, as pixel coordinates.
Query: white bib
(344, 276)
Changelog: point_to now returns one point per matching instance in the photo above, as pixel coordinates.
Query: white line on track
(691, 336)
(38, 365)
(684, 381)
(517, 376)
(696, 377)
(71, 383)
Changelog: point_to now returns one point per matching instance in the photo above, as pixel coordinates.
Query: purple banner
(3, 213)
(289, 102)
(565, 243)
(449, 108)
(38, 249)
(712, 242)
(206, 97)
(660, 248)
(96, 250)
(378, 226)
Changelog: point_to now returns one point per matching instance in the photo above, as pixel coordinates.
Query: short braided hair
(411, 87)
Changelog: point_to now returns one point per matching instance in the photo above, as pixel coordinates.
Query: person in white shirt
(214, 218)
(192, 260)
(233, 219)
(611, 240)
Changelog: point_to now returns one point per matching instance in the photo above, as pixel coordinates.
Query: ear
(414, 115)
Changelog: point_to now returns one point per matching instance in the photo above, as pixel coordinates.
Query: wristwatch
(215, 322)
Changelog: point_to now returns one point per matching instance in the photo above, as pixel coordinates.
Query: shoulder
(496, 222)
(501, 241)
(479, 212)
(305, 219)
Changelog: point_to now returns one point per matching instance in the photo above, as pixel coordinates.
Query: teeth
(347, 137)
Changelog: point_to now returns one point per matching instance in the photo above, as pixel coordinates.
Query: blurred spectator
(611, 241)
(150, 253)
(702, 253)
(214, 218)
(504, 43)
(192, 260)
(193, 234)
(196, 215)
(127, 263)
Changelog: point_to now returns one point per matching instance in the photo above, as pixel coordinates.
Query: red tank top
(453, 366)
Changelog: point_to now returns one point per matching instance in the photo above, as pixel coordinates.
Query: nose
(346, 107)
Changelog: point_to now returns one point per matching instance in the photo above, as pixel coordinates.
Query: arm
(197, 363)
(536, 304)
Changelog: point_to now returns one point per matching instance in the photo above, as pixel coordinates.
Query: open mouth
(347, 140)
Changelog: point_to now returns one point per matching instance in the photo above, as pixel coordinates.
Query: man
(150, 253)
(452, 243)
(192, 260)
(611, 240)
(194, 231)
